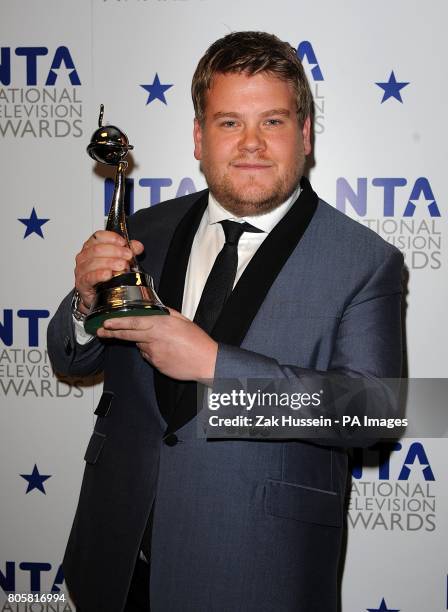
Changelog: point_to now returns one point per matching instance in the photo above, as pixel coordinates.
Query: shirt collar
(265, 222)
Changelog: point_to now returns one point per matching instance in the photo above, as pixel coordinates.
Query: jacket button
(171, 439)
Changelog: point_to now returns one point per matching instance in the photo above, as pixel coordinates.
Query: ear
(197, 137)
(306, 135)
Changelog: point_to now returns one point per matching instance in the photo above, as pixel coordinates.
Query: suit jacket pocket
(300, 503)
(95, 447)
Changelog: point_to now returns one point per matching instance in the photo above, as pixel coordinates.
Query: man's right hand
(102, 255)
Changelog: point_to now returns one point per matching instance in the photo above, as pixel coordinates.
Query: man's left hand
(173, 344)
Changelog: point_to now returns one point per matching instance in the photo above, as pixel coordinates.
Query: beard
(252, 199)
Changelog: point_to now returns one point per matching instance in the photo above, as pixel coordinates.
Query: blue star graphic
(33, 224)
(35, 480)
(392, 88)
(156, 90)
(383, 608)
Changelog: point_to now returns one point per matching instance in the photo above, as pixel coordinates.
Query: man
(246, 525)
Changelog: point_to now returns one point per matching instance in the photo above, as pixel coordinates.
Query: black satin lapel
(264, 267)
(171, 291)
(172, 280)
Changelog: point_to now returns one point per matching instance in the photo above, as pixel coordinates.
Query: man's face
(251, 146)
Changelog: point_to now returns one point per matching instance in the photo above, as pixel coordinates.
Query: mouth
(255, 165)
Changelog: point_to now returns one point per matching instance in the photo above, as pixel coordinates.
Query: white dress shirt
(207, 243)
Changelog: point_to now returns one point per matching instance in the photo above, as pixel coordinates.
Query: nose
(251, 140)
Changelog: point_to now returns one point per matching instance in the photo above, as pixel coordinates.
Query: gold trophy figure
(126, 293)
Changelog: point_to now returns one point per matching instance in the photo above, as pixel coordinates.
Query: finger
(131, 323)
(144, 349)
(105, 236)
(92, 264)
(87, 281)
(97, 249)
(145, 356)
(100, 263)
(177, 315)
(137, 247)
(131, 335)
(91, 273)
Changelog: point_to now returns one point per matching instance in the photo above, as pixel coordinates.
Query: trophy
(126, 293)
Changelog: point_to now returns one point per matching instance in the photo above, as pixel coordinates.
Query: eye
(228, 123)
(270, 122)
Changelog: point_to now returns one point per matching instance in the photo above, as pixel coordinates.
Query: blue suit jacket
(238, 525)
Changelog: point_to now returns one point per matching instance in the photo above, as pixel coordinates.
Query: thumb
(136, 247)
(177, 315)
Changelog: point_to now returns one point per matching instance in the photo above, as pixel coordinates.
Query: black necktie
(220, 281)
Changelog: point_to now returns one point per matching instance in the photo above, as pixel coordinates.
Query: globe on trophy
(129, 293)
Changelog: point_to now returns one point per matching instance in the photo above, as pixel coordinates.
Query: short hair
(251, 53)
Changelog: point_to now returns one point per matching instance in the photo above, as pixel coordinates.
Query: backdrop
(376, 70)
